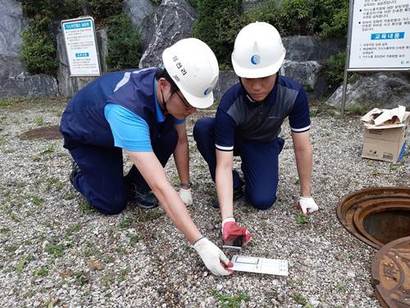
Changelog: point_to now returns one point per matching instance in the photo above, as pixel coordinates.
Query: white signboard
(380, 35)
(80, 43)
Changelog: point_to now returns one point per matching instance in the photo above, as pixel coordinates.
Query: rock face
(309, 48)
(67, 85)
(387, 90)
(173, 21)
(14, 80)
(138, 10)
(11, 22)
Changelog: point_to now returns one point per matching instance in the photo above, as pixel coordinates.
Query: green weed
(39, 121)
(55, 250)
(298, 298)
(4, 230)
(41, 271)
(230, 301)
(134, 239)
(125, 223)
(37, 200)
(49, 150)
(302, 219)
(81, 278)
(85, 207)
(23, 261)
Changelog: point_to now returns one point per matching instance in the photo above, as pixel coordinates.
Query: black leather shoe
(75, 169)
(142, 198)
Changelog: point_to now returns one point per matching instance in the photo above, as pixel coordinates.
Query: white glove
(307, 205)
(186, 195)
(212, 257)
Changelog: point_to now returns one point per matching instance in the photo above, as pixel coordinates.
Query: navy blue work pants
(259, 163)
(101, 179)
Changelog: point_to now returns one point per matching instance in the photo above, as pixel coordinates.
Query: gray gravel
(56, 251)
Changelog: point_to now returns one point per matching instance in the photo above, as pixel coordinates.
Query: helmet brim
(199, 102)
(257, 72)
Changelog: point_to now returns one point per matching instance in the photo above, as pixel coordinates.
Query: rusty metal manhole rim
(369, 195)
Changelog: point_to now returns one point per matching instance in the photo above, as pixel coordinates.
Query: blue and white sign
(80, 43)
(379, 35)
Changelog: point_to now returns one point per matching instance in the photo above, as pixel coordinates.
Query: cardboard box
(385, 139)
(384, 144)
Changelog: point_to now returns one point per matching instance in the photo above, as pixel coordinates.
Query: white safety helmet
(258, 51)
(193, 66)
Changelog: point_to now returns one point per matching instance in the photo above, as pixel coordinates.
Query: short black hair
(162, 73)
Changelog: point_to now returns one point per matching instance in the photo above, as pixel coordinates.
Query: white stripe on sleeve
(222, 148)
(300, 130)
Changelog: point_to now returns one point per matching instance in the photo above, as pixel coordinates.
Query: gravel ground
(56, 251)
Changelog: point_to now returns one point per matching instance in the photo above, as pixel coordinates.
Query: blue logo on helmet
(255, 59)
(207, 91)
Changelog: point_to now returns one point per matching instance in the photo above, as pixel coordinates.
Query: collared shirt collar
(159, 114)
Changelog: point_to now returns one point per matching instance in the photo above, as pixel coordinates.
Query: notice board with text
(81, 46)
(379, 35)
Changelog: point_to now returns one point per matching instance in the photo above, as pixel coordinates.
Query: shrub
(124, 46)
(218, 23)
(334, 69)
(336, 18)
(102, 9)
(327, 18)
(38, 50)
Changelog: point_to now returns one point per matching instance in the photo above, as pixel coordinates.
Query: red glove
(233, 234)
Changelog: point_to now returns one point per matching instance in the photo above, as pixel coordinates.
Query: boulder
(173, 21)
(15, 81)
(11, 23)
(225, 81)
(141, 13)
(305, 72)
(382, 90)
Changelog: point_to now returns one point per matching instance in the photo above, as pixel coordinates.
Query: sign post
(81, 47)
(378, 37)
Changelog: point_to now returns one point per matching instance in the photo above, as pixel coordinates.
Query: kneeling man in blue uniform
(142, 112)
(248, 122)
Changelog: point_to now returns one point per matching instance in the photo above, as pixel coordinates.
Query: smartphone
(236, 244)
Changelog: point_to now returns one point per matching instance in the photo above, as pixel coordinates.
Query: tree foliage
(124, 46)
(38, 52)
(218, 23)
(326, 18)
(39, 41)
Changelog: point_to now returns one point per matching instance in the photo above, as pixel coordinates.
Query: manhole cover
(391, 273)
(48, 132)
(376, 216)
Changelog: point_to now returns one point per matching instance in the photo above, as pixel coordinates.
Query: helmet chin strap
(247, 94)
(164, 103)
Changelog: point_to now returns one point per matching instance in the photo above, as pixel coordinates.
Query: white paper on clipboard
(260, 265)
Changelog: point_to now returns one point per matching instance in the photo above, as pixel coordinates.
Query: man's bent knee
(110, 207)
(262, 203)
(202, 128)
